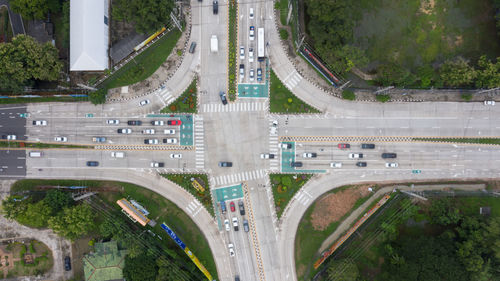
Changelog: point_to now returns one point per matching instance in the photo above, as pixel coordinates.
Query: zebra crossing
(198, 142)
(164, 95)
(240, 177)
(292, 79)
(273, 149)
(235, 107)
(194, 207)
(303, 197)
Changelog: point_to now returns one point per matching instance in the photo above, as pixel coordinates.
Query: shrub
(22, 252)
(32, 248)
(99, 96)
(348, 95)
(179, 52)
(466, 96)
(284, 34)
(383, 98)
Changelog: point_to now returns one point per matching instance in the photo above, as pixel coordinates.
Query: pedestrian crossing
(292, 79)
(273, 149)
(234, 107)
(240, 177)
(303, 197)
(164, 96)
(194, 207)
(198, 142)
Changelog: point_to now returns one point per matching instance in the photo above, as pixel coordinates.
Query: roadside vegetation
(5, 27)
(202, 194)
(42, 99)
(29, 258)
(148, 16)
(282, 100)
(186, 103)
(348, 95)
(233, 29)
(462, 140)
(284, 187)
(20, 144)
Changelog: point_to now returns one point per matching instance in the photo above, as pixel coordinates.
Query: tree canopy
(73, 222)
(148, 16)
(30, 9)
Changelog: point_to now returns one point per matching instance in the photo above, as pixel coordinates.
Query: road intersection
(240, 131)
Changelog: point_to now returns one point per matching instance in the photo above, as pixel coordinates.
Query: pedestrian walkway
(198, 142)
(303, 197)
(273, 149)
(194, 207)
(292, 80)
(240, 177)
(235, 107)
(164, 96)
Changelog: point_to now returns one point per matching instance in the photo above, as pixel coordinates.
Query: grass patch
(42, 99)
(383, 98)
(186, 103)
(348, 95)
(282, 5)
(184, 180)
(145, 64)
(283, 34)
(42, 259)
(283, 100)
(19, 144)
(232, 75)
(466, 96)
(284, 188)
(462, 140)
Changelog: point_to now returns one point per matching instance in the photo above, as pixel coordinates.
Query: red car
(344, 145)
(174, 122)
(233, 208)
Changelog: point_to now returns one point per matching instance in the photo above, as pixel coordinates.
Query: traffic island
(282, 100)
(284, 188)
(185, 103)
(197, 185)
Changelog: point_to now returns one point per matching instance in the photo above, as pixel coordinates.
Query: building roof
(132, 211)
(106, 263)
(89, 35)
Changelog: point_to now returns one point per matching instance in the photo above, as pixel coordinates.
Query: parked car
(232, 207)
(309, 155)
(361, 164)
(151, 141)
(92, 163)
(355, 155)
(157, 164)
(134, 122)
(235, 224)
(389, 155)
(225, 164)
(39, 123)
(242, 53)
(148, 131)
(296, 164)
(169, 132)
(144, 102)
(336, 165)
(245, 226)
(67, 263)
(98, 139)
(252, 33)
(223, 97)
(231, 249)
(227, 225)
(259, 74)
(367, 146)
(241, 207)
(174, 122)
(61, 139)
(170, 140)
(157, 123)
(489, 102)
(113, 122)
(391, 165)
(175, 155)
(124, 131)
(267, 156)
(344, 146)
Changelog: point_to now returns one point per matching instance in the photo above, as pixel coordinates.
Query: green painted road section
(186, 129)
(256, 90)
(228, 193)
(288, 156)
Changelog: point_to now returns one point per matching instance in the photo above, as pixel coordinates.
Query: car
(169, 132)
(175, 155)
(215, 6)
(151, 141)
(489, 102)
(157, 123)
(231, 249)
(232, 207)
(225, 164)
(355, 155)
(9, 137)
(61, 139)
(67, 263)
(144, 102)
(252, 33)
(336, 165)
(192, 47)
(250, 54)
(251, 74)
(174, 122)
(285, 145)
(296, 164)
(157, 164)
(118, 154)
(245, 226)
(124, 131)
(309, 155)
(242, 53)
(112, 122)
(39, 123)
(242, 71)
(267, 156)
(92, 163)
(259, 74)
(223, 207)
(389, 155)
(241, 207)
(98, 139)
(391, 165)
(250, 15)
(344, 145)
(367, 146)
(223, 97)
(235, 224)
(148, 131)
(134, 122)
(237, 278)
(361, 164)
(226, 224)
(170, 140)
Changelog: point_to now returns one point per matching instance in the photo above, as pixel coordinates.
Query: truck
(214, 44)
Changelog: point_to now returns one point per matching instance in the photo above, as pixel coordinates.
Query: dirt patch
(427, 6)
(334, 206)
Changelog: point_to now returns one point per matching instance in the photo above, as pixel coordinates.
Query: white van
(118, 154)
(35, 154)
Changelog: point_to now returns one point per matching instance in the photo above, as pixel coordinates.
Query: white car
(336, 165)
(489, 102)
(150, 141)
(242, 53)
(250, 54)
(226, 223)
(118, 154)
(391, 165)
(144, 102)
(61, 139)
(157, 164)
(11, 137)
(231, 249)
(169, 132)
(251, 14)
(252, 33)
(309, 155)
(124, 131)
(148, 131)
(266, 156)
(174, 156)
(251, 74)
(355, 155)
(157, 123)
(235, 223)
(39, 122)
(169, 140)
(113, 122)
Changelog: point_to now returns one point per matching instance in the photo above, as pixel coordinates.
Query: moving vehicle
(235, 224)
(242, 71)
(259, 74)
(344, 146)
(285, 145)
(174, 122)
(245, 226)
(252, 33)
(226, 224)
(144, 102)
(296, 164)
(148, 131)
(223, 206)
(489, 102)
(367, 146)
(9, 137)
(267, 156)
(336, 165)
(389, 155)
(134, 122)
(124, 131)
(250, 54)
(92, 163)
(215, 7)
(241, 207)
(169, 132)
(113, 122)
(157, 164)
(242, 53)
(361, 164)
(170, 140)
(157, 123)
(223, 98)
(118, 154)
(355, 155)
(214, 44)
(260, 44)
(251, 14)
(61, 139)
(98, 139)
(231, 249)
(309, 155)
(35, 154)
(67, 263)
(175, 155)
(192, 47)
(225, 164)
(391, 165)
(39, 123)
(251, 74)
(232, 207)
(151, 141)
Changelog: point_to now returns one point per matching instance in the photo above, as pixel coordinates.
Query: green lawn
(145, 64)
(232, 75)
(282, 5)
(284, 188)
(462, 140)
(186, 103)
(283, 100)
(184, 180)
(43, 261)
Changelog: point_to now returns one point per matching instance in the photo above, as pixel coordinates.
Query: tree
(394, 74)
(73, 222)
(58, 200)
(99, 96)
(141, 268)
(343, 269)
(11, 208)
(30, 9)
(148, 16)
(488, 74)
(457, 73)
(443, 212)
(35, 215)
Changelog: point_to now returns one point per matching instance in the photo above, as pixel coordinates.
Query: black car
(216, 7)
(241, 207)
(361, 164)
(367, 146)
(237, 278)
(223, 98)
(389, 155)
(245, 226)
(225, 164)
(296, 164)
(134, 122)
(67, 263)
(192, 47)
(92, 163)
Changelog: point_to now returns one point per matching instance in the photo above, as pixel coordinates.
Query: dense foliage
(35, 9)
(148, 16)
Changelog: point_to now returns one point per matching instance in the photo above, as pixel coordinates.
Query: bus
(260, 44)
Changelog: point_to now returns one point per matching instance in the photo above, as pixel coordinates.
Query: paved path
(15, 19)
